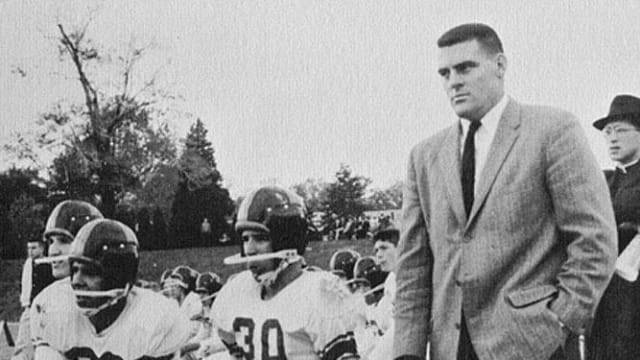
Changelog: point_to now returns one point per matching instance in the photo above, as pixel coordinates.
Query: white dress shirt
(484, 136)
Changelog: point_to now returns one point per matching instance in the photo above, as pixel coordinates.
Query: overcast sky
(290, 89)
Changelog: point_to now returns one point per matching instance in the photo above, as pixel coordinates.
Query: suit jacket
(539, 244)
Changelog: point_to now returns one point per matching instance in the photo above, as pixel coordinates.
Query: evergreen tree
(200, 194)
(345, 196)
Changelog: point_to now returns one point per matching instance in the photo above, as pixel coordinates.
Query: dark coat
(616, 328)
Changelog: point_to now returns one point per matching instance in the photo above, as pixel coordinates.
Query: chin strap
(114, 294)
(269, 278)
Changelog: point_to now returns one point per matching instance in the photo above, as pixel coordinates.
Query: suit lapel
(449, 163)
(505, 137)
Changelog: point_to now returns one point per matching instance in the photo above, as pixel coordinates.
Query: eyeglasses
(620, 131)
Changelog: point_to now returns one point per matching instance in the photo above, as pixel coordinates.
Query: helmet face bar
(282, 254)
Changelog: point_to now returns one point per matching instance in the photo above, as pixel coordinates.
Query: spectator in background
(508, 235)
(35, 277)
(205, 232)
(386, 251)
(616, 329)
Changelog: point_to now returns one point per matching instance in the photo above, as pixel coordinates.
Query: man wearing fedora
(616, 328)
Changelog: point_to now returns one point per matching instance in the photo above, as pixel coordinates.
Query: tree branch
(91, 96)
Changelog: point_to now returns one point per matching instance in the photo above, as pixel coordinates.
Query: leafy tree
(385, 199)
(199, 194)
(120, 135)
(313, 191)
(27, 218)
(345, 196)
(23, 207)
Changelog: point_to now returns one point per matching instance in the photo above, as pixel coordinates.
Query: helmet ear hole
(288, 232)
(120, 269)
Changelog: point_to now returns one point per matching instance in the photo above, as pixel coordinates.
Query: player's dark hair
(391, 235)
(484, 34)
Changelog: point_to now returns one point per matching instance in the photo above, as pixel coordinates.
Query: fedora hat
(623, 107)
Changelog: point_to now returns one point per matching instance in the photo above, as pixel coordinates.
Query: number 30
(245, 327)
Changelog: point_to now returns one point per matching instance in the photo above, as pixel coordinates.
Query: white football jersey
(382, 312)
(149, 326)
(311, 318)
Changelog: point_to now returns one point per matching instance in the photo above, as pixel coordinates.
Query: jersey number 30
(271, 338)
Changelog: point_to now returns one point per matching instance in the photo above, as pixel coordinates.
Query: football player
(100, 314)
(209, 345)
(180, 286)
(62, 225)
(277, 309)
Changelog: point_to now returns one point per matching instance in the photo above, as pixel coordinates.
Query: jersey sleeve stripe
(342, 347)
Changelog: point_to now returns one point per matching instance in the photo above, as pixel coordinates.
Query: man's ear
(501, 65)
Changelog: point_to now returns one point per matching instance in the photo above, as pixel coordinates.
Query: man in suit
(616, 328)
(508, 236)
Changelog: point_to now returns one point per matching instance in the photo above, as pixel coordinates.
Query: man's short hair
(391, 235)
(484, 34)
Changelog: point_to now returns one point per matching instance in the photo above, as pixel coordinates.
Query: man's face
(257, 243)
(35, 249)
(60, 245)
(472, 78)
(85, 276)
(174, 292)
(623, 141)
(386, 255)
(206, 299)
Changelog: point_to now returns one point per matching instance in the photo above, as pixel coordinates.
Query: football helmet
(367, 269)
(282, 215)
(368, 272)
(278, 212)
(68, 217)
(111, 248)
(208, 283)
(342, 263)
(185, 277)
(164, 276)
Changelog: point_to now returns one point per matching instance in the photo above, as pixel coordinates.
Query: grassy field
(153, 263)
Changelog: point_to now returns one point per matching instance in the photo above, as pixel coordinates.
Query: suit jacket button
(458, 326)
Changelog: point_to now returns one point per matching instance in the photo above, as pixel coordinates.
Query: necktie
(469, 165)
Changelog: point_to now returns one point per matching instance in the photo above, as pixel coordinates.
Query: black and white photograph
(319, 179)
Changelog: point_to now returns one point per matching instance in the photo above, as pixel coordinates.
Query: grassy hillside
(153, 263)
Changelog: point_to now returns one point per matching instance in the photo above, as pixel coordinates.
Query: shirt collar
(624, 167)
(490, 119)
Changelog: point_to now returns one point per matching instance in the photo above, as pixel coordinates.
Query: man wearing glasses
(616, 328)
